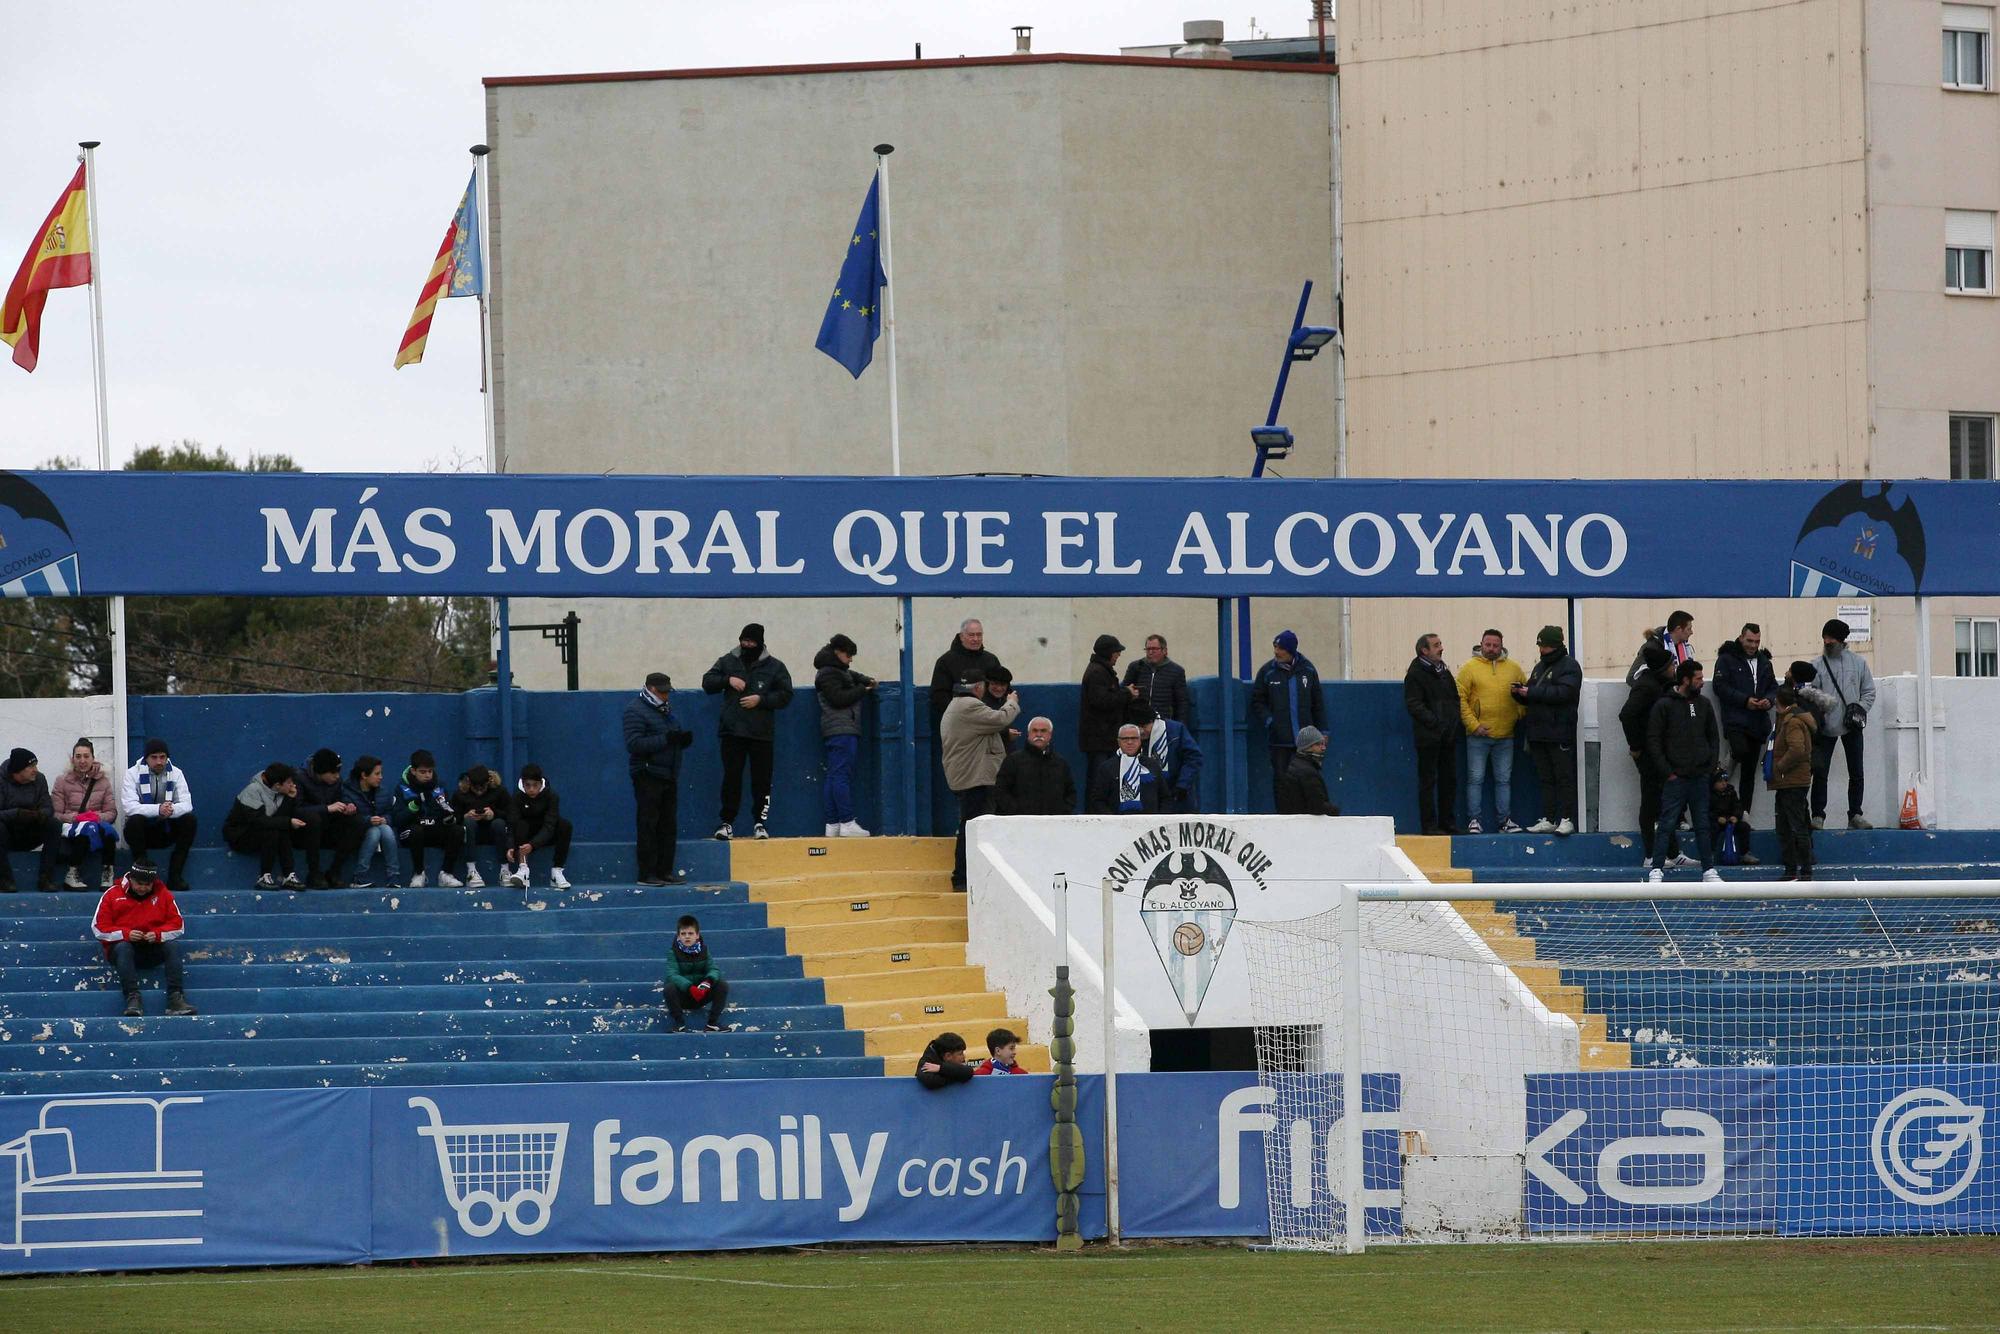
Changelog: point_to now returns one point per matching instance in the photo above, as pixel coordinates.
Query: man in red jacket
(138, 923)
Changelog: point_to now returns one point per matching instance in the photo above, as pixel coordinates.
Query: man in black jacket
(1551, 694)
(1430, 696)
(654, 740)
(1747, 686)
(1105, 705)
(1302, 787)
(1652, 680)
(754, 686)
(28, 820)
(966, 654)
(536, 821)
(1160, 684)
(332, 822)
(1034, 780)
(1680, 745)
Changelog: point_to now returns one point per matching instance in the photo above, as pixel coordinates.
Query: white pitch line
(735, 1282)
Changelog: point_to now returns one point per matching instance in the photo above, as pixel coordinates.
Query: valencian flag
(854, 313)
(457, 271)
(59, 256)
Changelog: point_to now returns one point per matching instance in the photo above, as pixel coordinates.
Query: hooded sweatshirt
(763, 676)
(1486, 695)
(257, 807)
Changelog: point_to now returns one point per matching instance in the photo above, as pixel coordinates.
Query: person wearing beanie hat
(1285, 697)
(754, 685)
(139, 925)
(1103, 705)
(333, 822)
(158, 806)
(976, 729)
(27, 820)
(1301, 789)
(840, 689)
(1845, 676)
(1550, 696)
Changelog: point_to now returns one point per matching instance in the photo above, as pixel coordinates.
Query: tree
(225, 645)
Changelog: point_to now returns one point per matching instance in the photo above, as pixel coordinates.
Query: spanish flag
(59, 257)
(458, 270)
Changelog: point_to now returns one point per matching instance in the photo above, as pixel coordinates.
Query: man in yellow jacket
(1487, 707)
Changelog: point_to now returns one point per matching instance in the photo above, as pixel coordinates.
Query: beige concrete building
(1096, 260)
(1669, 238)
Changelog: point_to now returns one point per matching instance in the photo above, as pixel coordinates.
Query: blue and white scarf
(1132, 776)
(170, 790)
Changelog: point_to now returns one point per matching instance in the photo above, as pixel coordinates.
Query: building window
(1968, 38)
(1968, 252)
(1971, 448)
(1978, 646)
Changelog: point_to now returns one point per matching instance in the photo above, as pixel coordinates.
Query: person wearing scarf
(1129, 781)
(1173, 748)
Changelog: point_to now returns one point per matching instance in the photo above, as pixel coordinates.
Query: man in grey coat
(1846, 677)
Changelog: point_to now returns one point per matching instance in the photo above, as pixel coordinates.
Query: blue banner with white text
(71, 533)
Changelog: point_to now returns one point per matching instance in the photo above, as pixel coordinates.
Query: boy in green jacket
(693, 979)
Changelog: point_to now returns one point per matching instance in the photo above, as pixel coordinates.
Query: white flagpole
(479, 152)
(120, 729)
(882, 152)
(905, 608)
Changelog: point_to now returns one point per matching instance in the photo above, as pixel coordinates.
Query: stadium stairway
(1782, 982)
(877, 922)
(429, 986)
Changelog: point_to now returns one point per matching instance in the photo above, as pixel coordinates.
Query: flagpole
(120, 728)
(905, 605)
(503, 657)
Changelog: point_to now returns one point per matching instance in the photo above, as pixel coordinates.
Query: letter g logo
(1921, 1134)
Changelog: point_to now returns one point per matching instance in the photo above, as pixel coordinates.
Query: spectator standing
(1648, 688)
(425, 819)
(1104, 705)
(375, 807)
(693, 978)
(482, 805)
(1160, 684)
(967, 653)
(1791, 778)
(1286, 697)
(754, 686)
(943, 1062)
(1302, 787)
(1034, 780)
(332, 822)
(264, 822)
(1747, 688)
(1489, 712)
(1173, 748)
(1551, 695)
(1673, 637)
(536, 820)
(158, 806)
(139, 925)
(86, 804)
(975, 745)
(840, 689)
(1680, 743)
(1846, 677)
(1129, 781)
(1430, 697)
(28, 816)
(654, 740)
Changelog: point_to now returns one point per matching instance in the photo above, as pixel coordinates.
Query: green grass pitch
(1716, 1288)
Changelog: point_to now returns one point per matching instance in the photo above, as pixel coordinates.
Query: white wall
(49, 727)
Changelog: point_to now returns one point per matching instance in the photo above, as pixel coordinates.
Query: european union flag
(854, 313)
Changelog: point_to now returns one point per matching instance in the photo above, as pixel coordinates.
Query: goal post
(1563, 1060)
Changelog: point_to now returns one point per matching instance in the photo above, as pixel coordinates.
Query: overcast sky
(275, 178)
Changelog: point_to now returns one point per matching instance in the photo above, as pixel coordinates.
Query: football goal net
(1565, 1061)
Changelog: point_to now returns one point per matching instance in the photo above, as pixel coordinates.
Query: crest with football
(1187, 909)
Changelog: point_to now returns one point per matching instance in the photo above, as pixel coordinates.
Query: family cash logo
(37, 554)
(1186, 875)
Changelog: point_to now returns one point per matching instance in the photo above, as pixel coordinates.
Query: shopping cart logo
(93, 1175)
(507, 1172)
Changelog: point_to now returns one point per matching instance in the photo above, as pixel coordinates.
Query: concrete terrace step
(1032, 1056)
(609, 863)
(299, 926)
(983, 1010)
(395, 1024)
(911, 1038)
(881, 959)
(472, 949)
(202, 1078)
(99, 997)
(359, 976)
(854, 884)
(790, 858)
(892, 933)
(662, 1044)
(862, 987)
(674, 899)
(831, 911)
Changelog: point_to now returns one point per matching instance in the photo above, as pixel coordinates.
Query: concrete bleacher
(1815, 981)
(403, 986)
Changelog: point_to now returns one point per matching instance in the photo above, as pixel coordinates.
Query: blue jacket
(1740, 679)
(1286, 697)
(654, 738)
(1183, 757)
(381, 802)
(430, 804)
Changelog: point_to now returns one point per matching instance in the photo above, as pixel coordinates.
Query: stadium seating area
(1800, 982)
(398, 986)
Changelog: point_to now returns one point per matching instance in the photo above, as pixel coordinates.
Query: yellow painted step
(890, 959)
(781, 858)
(896, 986)
(912, 1037)
(1033, 1056)
(974, 1009)
(849, 908)
(859, 884)
(1598, 1056)
(863, 931)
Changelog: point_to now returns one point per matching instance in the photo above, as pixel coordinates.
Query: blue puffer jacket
(1285, 697)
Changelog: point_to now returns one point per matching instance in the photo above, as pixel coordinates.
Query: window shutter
(1968, 18)
(1968, 227)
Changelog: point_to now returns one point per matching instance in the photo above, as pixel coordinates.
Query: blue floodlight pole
(1244, 669)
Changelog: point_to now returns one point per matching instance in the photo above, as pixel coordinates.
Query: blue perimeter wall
(219, 741)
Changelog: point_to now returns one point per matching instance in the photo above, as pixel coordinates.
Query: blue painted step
(155, 1029)
(515, 920)
(613, 863)
(100, 1000)
(369, 975)
(663, 899)
(201, 1078)
(732, 946)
